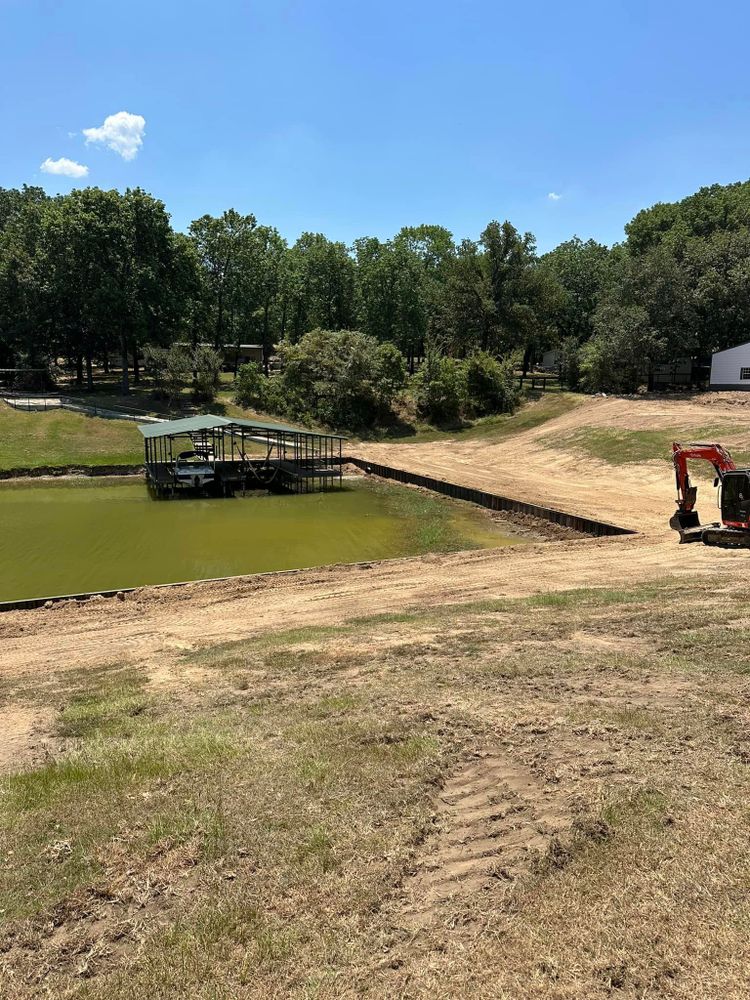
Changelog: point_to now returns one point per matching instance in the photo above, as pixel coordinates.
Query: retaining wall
(492, 501)
(72, 470)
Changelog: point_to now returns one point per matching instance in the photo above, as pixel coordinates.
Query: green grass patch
(635, 808)
(109, 711)
(59, 437)
(537, 409)
(622, 447)
(599, 596)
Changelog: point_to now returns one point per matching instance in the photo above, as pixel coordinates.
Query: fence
(535, 378)
(33, 402)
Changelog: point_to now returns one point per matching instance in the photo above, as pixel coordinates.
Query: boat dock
(221, 455)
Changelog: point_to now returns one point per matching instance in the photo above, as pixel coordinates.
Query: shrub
(340, 378)
(490, 385)
(440, 389)
(170, 368)
(249, 386)
(206, 364)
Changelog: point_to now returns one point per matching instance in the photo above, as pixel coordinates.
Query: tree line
(95, 276)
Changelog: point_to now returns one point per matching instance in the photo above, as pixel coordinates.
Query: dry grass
(535, 798)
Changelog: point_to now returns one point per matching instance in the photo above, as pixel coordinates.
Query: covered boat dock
(220, 455)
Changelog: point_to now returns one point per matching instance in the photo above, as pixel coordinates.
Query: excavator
(734, 498)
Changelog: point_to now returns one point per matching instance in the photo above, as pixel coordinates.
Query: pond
(75, 536)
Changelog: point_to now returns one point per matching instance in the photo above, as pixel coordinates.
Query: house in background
(241, 354)
(552, 361)
(730, 369)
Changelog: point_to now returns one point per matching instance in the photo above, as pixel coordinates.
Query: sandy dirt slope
(530, 466)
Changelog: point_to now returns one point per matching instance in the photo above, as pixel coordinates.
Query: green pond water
(72, 537)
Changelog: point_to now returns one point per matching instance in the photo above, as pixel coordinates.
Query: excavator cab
(735, 498)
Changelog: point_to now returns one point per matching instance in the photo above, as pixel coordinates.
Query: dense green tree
(228, 251)
(341, 378)
(645, 316)
(491, 385)
(440, 390)
(320, 286)
(23, 315)
(393, 293)
(468, 309)
(715, 209)
(581, 271)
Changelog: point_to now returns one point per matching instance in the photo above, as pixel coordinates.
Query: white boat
(189, 470)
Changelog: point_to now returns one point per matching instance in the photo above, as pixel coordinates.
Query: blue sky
(354, 118)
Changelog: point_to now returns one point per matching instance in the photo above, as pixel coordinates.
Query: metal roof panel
(209, 421)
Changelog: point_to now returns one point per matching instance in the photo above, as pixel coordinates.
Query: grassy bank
(59, 437)
(541, 797)
(536, 409)
(623, 447)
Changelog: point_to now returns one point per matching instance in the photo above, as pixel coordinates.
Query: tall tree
(228, 251)
(392, 293)
(320, 285)
(524, 297)
(581, 270)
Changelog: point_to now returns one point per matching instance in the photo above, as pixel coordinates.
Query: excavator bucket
(688, 524)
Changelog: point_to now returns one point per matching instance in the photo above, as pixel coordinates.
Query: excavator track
(726, 538)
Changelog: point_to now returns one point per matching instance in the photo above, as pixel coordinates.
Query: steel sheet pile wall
(492, 501)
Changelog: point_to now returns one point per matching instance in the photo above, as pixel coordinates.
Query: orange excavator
(733, 531)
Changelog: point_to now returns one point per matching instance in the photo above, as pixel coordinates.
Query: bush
(440, 390)
(170, 368)
(617, 357)
(490, 385)
(206, 363)
(249, 386)
(342, 378)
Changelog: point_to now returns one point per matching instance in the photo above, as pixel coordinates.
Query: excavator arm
(686, 517)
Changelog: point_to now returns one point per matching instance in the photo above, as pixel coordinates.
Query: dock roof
(210, 421)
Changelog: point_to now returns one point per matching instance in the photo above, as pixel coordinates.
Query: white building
(730, 369)
(552, 361)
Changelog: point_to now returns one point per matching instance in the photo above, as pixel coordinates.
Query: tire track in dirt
(495, 816)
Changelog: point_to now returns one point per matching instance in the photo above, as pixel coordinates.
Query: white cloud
(554, 196)
(122, 132)
(64, 167)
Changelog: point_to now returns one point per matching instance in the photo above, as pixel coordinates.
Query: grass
(259, 827)
(536, 409)
(59, 437)
(623, 447)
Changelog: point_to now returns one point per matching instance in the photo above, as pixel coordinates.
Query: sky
(357, 117)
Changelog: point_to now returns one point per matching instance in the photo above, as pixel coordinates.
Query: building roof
(209, 421)
(745, 343)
